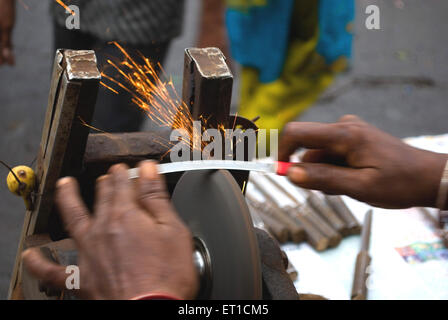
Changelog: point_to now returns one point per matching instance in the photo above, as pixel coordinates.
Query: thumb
(331, 179)
(49, 273)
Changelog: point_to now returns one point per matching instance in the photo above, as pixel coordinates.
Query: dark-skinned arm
(134, 244)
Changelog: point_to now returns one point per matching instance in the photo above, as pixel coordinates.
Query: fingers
(311, 135)
(332, 179)
(322, 156)
(73, 211)
(6, 53)
(124, 194)
(153, 195)
(104, 196)
(50, 273)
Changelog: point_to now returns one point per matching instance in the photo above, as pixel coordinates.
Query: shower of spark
(156, 97)
(65, 7)
(60, 2)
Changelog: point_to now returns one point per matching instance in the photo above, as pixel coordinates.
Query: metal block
(207, 85)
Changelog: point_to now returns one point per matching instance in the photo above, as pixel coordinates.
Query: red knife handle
(283, 167)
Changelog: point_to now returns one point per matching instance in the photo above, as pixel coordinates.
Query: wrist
(434, 173)
(442, 194)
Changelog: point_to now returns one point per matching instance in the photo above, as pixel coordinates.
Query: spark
(234, 120)
(60, 2)
(107, 87)
(66, 7)
(156, 97)
(84, 123)
(244, 186)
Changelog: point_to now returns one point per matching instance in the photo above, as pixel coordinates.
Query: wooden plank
(14, 291)
(67, 137)
(72, 98)
(126, 147)
(54, 89)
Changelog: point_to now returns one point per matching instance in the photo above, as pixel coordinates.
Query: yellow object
(305, 75)
(27, 183)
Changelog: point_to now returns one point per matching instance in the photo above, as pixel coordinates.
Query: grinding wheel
(213, 207)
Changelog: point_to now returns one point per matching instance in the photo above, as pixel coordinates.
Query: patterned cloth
(290, 52)
(128, 21)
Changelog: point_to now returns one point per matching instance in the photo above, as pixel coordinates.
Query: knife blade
(278, 167)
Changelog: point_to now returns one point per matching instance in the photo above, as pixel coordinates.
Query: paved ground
(410, 45)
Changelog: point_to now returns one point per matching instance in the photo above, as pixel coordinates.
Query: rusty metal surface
(72, 98)
(210, 62)
(207, 86)
(64, 137)
(277, 284)
(135, 146)
(363, 259)
(207, 90)
(338, 205)
(321, 206)
(81, 65)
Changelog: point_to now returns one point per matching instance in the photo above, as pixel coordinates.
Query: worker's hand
(133, 244)
(7, 17)
(354, 158)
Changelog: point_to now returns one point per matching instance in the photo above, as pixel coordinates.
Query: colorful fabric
(259, 36)
(245, 5)
(290, 51)
(335, 29)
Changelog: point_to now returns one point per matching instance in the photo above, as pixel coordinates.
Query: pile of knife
(296, 215)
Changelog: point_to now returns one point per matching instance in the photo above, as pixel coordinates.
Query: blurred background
(397, 80)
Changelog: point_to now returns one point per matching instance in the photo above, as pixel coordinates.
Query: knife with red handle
(278, 167)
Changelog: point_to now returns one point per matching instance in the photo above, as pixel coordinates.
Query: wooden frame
(73, 91)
